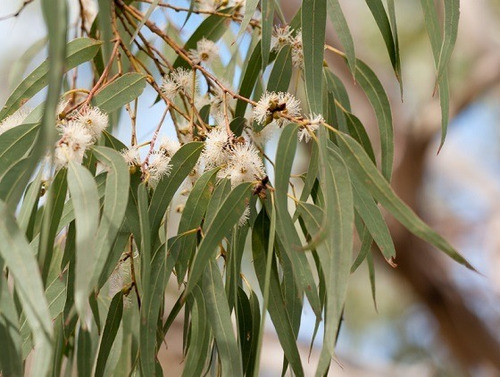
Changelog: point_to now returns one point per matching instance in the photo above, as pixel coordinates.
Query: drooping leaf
(113, 320)
(200, 336)
(280, 318)
(20, 261)
(191, 218)
(53, 210)
(267, 12)
(219, 318)
(84, 357)
(279, 79)
(344, 34)
(389, 35)
(11, 361)
(380, 103)
(84, 197)
(115, 204)
(361, 166)
(313, 35)
(249, 79)
(150, 310)
(284, 225)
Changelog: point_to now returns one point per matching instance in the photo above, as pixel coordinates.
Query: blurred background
(433, 317)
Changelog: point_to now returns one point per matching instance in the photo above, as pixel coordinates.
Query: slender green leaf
(380, 103)
(200, 337)
(11, 361)
(284, 224)
(30, 202)
(182, 163)
(120, 92)
(78, 51)
(84, 353)
(267, 13)
(344, 34)
(280, 76)
(150, 310)
(250, 8)
(389, 35)
(84, 197)
(220, 320)
(249, 79)
(280, 317)
(146, 17)
(313, 33)
(451, 17)
(115, 204)
(361, 166)
(53, 208)
(20, 261)
(191, 218)
(228, 215)
(111, 327)
(373, 219)
(437, 43)
(391, 10)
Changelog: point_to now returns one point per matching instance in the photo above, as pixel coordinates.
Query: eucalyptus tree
(94, 229)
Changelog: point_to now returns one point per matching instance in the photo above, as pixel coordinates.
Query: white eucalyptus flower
(132, 156)
(244, 164)
(158, 167)
(282, 35)
(214, 153)
(297, 51)
(272, 106)
(74, 141)
(94, 120)
(169, 146)
(205, 52)
(313, 123)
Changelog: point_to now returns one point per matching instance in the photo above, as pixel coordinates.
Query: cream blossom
(205, 52)
(313, 121)
(94, 120)
(158, 167)
(272, 106)
(214, 153)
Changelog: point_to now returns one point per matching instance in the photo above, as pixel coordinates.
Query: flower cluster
(157, 164)
(77, 134)
(272, 107)
(238, 159)
(283, 36)
(205, 51)
(179, 81)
